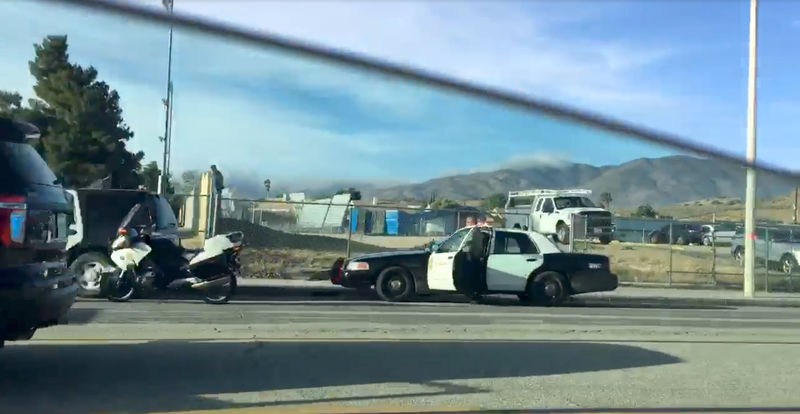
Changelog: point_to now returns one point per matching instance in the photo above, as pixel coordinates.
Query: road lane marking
(371, 313)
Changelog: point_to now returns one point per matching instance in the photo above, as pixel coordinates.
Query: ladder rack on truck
(532, 193)
(547, 193)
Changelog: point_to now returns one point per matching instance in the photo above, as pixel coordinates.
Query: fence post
(571, 237)
(766, 261)
(586, 233)
(669, 271)
(713, 258)
(349, 229)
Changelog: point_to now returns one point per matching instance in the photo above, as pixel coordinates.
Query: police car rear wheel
(548, 289)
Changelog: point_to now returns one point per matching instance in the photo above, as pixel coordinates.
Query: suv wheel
(738, 254)
(88, 268)
(788, 264)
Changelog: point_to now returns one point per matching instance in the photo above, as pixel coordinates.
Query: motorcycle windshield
(126, 221)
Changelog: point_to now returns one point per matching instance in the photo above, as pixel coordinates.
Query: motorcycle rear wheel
(221, 295)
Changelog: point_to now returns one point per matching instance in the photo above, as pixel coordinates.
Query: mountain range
(654, 181)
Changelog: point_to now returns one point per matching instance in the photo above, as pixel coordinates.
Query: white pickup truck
(551, 211)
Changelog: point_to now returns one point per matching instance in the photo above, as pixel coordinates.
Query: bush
(645, 210)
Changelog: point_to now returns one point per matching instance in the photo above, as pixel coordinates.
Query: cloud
(518, 162)
(517, 46)
(537, 159)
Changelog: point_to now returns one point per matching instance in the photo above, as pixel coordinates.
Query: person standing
(474, 276)
(470, 264)
(217, 185)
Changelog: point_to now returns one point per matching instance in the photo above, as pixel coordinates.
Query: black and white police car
(519, 262)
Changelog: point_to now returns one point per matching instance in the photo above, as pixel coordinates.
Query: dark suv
(36, 290)
(98, 213)
(682, 233)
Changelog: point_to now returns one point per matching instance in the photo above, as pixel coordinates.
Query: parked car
(775, 246)
(98, 213)
(719, 233)
(36, 288)
(682, 233)
(518, 262)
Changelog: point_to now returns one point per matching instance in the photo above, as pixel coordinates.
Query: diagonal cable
(420, 76)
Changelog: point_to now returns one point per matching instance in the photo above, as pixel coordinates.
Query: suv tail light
(12, 220)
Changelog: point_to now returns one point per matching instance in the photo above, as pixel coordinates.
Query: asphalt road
(317, 354)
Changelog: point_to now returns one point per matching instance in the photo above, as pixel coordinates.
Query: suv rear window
(165, 217)
(24, 164)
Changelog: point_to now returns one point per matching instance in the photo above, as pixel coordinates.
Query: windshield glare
(569, 202)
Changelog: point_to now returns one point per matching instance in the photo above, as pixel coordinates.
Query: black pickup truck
(519, 262)
(36, 289)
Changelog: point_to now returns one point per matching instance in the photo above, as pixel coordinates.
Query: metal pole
(349, 229)
(713, 257)
(169, 141)
(167, 103)
(766, 260)
(571, 237)
(209, 214)
(586, 233)
(750, 195)
(669, 273)
(216, 212)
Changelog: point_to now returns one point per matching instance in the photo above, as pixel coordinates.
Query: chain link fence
(674, 252)
(290, 238)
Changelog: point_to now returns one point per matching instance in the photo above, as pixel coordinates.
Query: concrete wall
(196, 207)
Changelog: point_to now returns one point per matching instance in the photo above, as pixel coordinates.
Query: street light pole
(168, 4)
(750, 194)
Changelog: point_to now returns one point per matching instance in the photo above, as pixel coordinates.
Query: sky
(674, 66)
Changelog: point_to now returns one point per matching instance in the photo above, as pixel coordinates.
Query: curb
(660, 300)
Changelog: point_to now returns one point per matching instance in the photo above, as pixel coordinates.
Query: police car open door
(441, 260)
(513, 257)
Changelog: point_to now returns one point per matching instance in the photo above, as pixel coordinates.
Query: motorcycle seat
(189, 254)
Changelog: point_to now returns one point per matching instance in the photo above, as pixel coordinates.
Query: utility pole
(168, 4)
(750, 194)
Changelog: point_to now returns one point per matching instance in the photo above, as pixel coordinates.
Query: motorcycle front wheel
(218, 295)
(121, 287)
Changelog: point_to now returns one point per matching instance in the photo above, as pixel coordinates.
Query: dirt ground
(287, 263)
(694, 265)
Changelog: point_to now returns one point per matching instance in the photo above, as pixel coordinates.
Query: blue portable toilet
(354, 220)
(392, 222)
